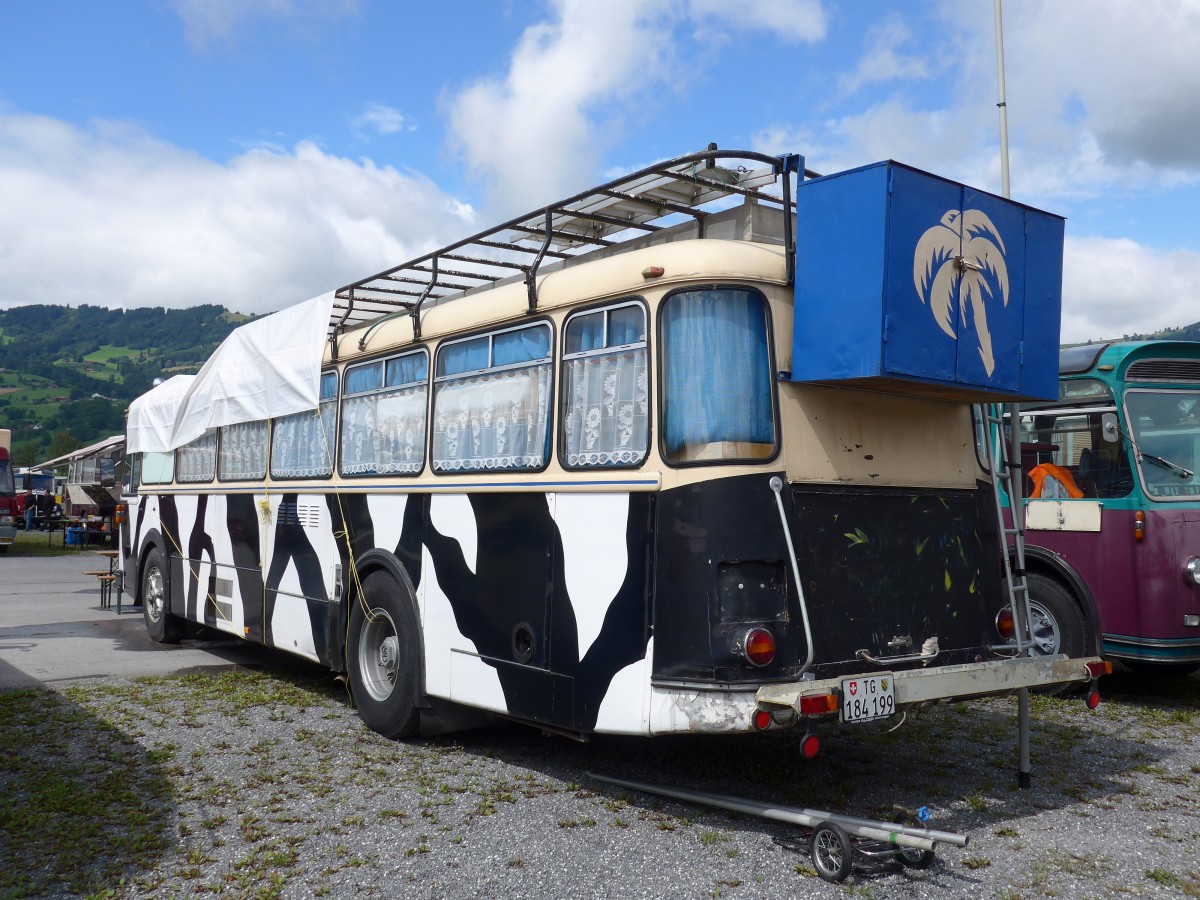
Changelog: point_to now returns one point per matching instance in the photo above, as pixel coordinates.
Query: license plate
(868, 697)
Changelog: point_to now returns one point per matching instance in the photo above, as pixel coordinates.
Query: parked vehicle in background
(8, 493)
(38, 504)
(707, 469)
(92, 488)
(1113, 510)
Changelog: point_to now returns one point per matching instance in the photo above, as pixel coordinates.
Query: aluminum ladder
(1004, 465)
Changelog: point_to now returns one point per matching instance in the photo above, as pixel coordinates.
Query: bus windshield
(1166, 427)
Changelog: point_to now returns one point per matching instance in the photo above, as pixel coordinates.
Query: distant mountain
(67, 374)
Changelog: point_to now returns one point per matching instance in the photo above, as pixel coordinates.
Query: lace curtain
(302, 446)
(384, 433)
(243, 453)
(606, 422)
(197, 461)
(491, 421)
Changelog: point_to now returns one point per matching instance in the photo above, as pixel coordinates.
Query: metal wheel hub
(1046, 635)
(379, 654)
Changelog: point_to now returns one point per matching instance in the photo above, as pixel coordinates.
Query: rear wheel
(162, 627)
(383, 656)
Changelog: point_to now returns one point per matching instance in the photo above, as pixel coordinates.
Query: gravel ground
(264, 783)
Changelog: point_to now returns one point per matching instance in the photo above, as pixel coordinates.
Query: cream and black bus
(691, 451)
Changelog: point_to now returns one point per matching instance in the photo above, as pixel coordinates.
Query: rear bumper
(8, 534)
(916, 686)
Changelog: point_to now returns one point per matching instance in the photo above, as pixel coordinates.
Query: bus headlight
(1191, 571)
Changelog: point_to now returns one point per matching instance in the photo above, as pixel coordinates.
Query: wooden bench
(107, 580)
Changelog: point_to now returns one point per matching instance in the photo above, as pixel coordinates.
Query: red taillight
(1006, 626)
(759, 647)
(810, 746)
(1139, 525)
(818, 704)
(762, 719)
(1102, 667)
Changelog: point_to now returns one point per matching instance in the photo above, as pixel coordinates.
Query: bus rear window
(718, 397)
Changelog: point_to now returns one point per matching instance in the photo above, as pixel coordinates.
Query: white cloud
(537, 134)
(792, 20)
(209, 21)
(380, 119)
(111, 216)
(882, 61)
(1115, 287)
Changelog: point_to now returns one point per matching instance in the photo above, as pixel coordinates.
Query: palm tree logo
(969, 279)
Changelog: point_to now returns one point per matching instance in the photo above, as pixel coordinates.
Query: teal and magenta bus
(1113, 505)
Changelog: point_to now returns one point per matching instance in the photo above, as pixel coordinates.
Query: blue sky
(255, 154)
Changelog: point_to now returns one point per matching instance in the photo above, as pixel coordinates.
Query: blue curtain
(626, 326)
(585, 333)
(526, 345)
(718, 377)
(411, 369)
(329, 386)
(465, 356)
(364, 378)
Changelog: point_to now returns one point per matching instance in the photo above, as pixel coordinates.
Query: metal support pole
(1020, 609)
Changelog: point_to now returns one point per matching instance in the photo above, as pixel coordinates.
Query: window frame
(606, 306)
(383, 388)
(273, 432)
(179, 479)
(772, 378)
(437, 380)
(266, 433)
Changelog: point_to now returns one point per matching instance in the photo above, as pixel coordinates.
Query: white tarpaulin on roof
(266, 368)
(152, 415)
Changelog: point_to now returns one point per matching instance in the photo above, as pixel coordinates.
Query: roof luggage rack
(631, 206)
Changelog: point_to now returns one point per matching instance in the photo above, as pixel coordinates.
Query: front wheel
(1056, 621)
(383, 657)
(162, 627)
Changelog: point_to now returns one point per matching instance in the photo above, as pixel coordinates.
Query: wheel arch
(376, 560)
(1040, 561)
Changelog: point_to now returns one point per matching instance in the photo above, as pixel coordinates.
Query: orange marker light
(1139, 525)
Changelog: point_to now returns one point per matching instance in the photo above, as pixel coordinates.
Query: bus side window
(196, 461)
(302, 443)
(605, 388)
(490, 401)
(383, 416)
(243, 452)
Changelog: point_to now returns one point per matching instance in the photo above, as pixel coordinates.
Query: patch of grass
(74, 788)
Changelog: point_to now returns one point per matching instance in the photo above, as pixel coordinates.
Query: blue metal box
(910, 283)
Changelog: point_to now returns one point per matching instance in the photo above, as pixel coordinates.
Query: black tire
(1056, 621)
(831, 852)
(155, 595)
(3, 549)
(383, 657)
(912, 857)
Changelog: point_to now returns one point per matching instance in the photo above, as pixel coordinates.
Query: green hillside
(67, 374)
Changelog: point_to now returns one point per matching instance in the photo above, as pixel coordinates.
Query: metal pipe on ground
(868, 829)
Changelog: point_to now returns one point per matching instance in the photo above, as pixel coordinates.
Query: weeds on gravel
(80, 804)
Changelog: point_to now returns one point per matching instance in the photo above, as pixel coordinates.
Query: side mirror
(1108, 428)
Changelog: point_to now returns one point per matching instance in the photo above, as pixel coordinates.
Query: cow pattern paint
(532, 604)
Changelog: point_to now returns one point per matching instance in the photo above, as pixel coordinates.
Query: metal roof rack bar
(597, 218)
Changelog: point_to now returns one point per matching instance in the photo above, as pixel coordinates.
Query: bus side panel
(300, 565)
(516, 618)
(1141, 605)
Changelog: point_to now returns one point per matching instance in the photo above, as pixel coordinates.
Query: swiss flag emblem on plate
(853, 688)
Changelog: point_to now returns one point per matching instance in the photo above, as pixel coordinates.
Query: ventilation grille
(1165, 370)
